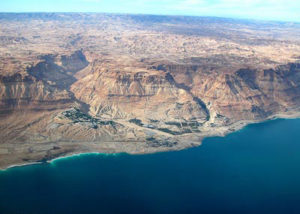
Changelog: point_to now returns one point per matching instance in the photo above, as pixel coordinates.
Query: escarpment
(242, 94)
(114, 83)
(59, 71)
(44, 86)
(253, 94)
(101, 106)
(151, 94)
(19, 92)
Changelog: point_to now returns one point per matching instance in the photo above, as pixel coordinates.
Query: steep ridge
(18, 92)
(252, 94)
(147, 95)
(59, 70)
(43, 86)
(244, 94)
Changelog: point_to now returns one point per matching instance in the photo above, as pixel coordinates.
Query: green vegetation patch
(78, 116)
(192, 124)
(136, 121)
(151, 141)
(185, 127)
(154, 121)
(169, 131)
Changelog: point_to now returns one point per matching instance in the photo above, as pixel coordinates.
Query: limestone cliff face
(244, 94)
(172, 98)
(44, 86)
(252, 94)
(18, 92)
(143, 94)
(59, 70)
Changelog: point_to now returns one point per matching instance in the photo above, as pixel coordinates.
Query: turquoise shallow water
(255, 170)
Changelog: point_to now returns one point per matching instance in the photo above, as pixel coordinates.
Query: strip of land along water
(254, 170)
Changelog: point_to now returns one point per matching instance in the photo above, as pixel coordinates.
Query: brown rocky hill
(75, 83)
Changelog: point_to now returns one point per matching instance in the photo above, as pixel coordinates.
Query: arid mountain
(74, 83)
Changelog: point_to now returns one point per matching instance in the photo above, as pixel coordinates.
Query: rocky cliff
(116, 84)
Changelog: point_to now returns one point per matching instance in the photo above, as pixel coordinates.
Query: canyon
(110, 83)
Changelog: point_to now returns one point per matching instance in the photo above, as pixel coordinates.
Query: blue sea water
(255, 170)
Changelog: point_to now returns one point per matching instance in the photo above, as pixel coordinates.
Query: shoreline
(80, 154)
(51, 161)
(243, 123)
(237, 126)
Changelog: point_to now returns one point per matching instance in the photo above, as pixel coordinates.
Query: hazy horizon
(152, 14)
(269, 10)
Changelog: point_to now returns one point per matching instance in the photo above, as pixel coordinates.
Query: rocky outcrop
(244, 94)
(252, 94)
(43, 86)
(75, 62)
(152, 95)
(18, 92)
(59, 70)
